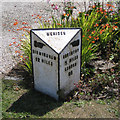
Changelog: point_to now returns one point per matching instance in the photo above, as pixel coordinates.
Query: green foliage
(80, 103)
(27, 104)
(115, 111)
(101, 102)
(100, 33)
(26, 52)
(101, 86)
(100, 81)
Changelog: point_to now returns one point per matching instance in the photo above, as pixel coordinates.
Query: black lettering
(47, 55)
(69, 67)
(65, 62)
(39, 53)
(51, 56)
(75, 57)
(70, 73)
(47, 34)
(77, 50)
(63, 56)
(75, 64)
(48, 62)
(35, 43)
(38, 44)
(55, 33)
(38, 59)
(51, 33)
(67, 54)
(54, 58)
(71, 52)
(51, 63)
(44, 54)
(75, 43)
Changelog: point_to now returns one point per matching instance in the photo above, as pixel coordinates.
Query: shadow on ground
(34, 103)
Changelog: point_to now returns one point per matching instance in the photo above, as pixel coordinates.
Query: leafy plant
(80, 103)
(99, 28)
(101, 102)
(26, 49)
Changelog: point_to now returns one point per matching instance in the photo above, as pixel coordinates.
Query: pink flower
(66, 0)
(52, 5)
(48, 1)
(56, 7)
(13, 38)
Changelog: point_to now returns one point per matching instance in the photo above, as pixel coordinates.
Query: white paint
(67, 82)
(49, 66)
(57, 42)
(45, 76)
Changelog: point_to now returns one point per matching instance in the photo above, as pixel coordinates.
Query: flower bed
(100, 28)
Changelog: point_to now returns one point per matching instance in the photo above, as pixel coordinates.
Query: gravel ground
(22, 11)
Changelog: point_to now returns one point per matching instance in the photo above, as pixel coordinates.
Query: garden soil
(8, 65)
(69, 110)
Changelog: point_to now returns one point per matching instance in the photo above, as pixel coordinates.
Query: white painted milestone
(57, 39)
(56, 60)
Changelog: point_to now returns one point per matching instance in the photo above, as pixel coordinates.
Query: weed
(102, 102)
(99, 28)
(80, 103)
(115, 111)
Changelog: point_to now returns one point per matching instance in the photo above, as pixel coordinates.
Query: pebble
(13, 78)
